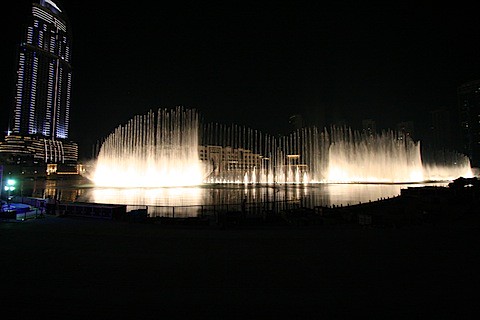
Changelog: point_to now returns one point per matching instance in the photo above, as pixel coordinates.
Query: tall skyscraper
(42, 100)
(39, 126)
(469, 115)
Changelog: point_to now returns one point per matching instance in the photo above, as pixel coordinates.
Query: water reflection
(145, 196)
(305, 195)
(63, 190)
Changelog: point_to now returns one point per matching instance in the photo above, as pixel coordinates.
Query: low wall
(90, 210)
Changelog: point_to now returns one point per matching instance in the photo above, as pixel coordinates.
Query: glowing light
(10, 186)
(50, 2)
(162, 150)
(154, 150)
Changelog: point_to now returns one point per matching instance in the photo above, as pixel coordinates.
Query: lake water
(210, 195)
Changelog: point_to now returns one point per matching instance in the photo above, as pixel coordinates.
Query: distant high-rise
(469, 115)
(39, 125)
(44, 74)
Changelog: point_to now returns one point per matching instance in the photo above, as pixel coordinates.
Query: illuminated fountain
(340, 155)
(387, 158)
(153, 150)
(162, 149)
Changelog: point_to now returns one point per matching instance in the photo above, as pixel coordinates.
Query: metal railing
(249, 208)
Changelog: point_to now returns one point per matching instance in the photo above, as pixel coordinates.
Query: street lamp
(10, 186)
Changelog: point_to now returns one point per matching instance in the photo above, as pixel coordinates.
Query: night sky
(256, 64)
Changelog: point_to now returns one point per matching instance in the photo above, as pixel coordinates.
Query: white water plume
(162, 149)
(152, 150)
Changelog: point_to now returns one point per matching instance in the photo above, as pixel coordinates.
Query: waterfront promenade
(64, 267)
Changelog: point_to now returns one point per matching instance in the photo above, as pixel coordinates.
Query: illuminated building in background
(229, 162)
(39, 150)
(44, 81)
(39, 126)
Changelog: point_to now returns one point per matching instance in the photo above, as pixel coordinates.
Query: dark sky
(256, 64)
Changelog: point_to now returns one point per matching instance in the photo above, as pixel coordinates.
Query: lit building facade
(469, 115)
(39, 127)
(227, 164)
(44, 81)
(227, 159)
(38, 150)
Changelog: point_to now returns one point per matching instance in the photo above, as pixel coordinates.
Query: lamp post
(9, 187)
